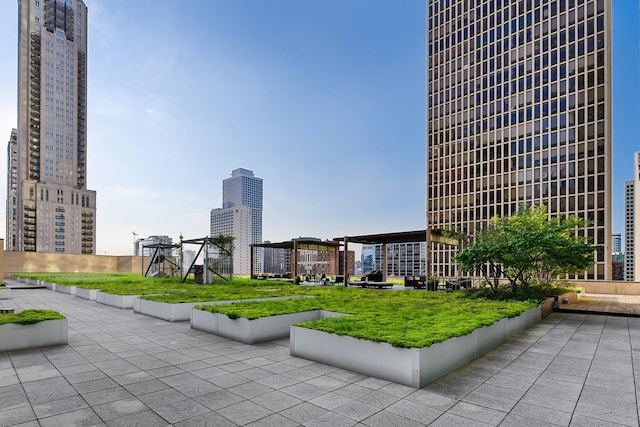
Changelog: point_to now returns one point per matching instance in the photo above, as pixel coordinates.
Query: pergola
(302, 243)
(428, 236)
(162, 254)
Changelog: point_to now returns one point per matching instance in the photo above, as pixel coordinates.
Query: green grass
(29, 317)
(405, 318)
(412, 319)
(135, 284)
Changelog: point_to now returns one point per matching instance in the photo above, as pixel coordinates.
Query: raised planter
(253, 331)
(5, 293)
(71, 290)
(415, 367)
(118, 301)
(89, 294)
(182, 311)
(42, 334)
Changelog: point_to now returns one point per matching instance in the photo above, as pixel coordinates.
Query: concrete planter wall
(182, 311)
(71, 290)
(5, 293)
(415, 367)
(89, 294)
(253, 331)
(118, 301)
(43, 334)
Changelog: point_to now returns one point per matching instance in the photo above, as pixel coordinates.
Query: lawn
(29, 317)
(406, 318)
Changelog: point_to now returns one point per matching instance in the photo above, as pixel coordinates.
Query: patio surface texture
(127, 369)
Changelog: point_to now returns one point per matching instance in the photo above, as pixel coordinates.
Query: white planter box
(89, 294)
(5, 293)
(182, 311)
(166, 311)
(253, 331)
(119, 301)
(415, 367)
(42, 334)
(50, 286)
(71, 290)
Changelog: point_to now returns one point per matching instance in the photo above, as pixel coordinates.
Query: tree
(528, 248)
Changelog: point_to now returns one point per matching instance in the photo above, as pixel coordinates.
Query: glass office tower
(518, 111)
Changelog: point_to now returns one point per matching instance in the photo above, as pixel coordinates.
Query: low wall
(608, 287)
(45, 262)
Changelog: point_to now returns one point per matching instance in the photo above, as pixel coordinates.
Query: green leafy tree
(528, 248)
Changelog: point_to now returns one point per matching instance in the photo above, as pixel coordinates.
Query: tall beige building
(632, 229)
(518, 111)
(54, 210)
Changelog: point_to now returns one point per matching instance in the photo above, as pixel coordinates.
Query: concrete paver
(122, 369)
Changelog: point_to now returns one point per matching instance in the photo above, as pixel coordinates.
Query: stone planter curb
(5, 293)
(253, 331)
(42, 334)
(182, 311)
(113, 300)
(415, 367)
(71, 290)
(88, 294)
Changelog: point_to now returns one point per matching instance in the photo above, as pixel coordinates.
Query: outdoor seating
(416, 282)
(372, 276)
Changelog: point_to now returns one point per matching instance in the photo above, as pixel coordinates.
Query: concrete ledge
(42, 334)
(608, 287)
(253, 331)
(182, 311)
(118, 301)
(415, 367)
(5, 293)
(71, 290)
(88, 294)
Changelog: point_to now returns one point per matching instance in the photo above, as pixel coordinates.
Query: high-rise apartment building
(12, 189)
(519, 112)
(616, 243)
(403, 259)
(241, 217)
(235, 221)
(54, 210)
(631, 230)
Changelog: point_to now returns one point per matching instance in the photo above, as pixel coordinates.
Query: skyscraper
(519, 112)
(241, 217)
(403, 259)
(616, 243)
(54, 211)
(631, 230)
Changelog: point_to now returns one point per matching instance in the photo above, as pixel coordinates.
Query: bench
(416, 282)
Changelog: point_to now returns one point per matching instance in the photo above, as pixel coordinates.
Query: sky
(323, 99)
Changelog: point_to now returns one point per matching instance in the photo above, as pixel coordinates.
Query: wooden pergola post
(294, 260)
(384, 262)
(344, 261)
(251, 261)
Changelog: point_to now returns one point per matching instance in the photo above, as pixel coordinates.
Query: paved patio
(125, 369)
(627, 305)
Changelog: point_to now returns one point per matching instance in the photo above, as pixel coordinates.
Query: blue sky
(323, 99)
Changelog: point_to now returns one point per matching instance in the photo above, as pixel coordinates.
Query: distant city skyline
(325, 98)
